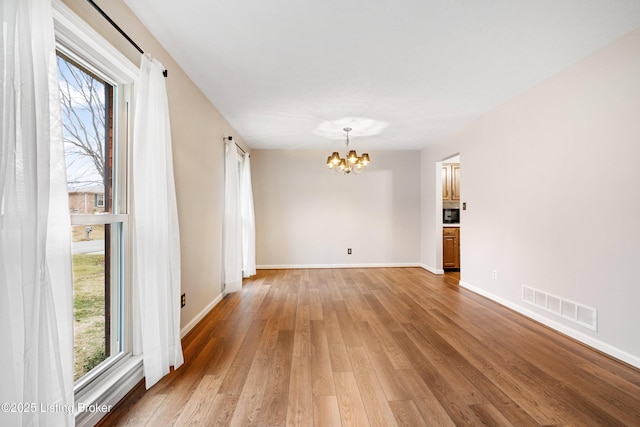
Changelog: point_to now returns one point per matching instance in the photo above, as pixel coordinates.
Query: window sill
(95, 403)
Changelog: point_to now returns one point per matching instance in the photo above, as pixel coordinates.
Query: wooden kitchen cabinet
(451, 181)
(451, 247)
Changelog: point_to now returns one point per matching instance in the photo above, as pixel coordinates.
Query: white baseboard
(187, 328)
(431, 269)
(309, 266)
(564, 329)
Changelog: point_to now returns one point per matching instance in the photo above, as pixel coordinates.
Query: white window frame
(99, 200)
(107, 383)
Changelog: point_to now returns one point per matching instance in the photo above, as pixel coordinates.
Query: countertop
(451, 225)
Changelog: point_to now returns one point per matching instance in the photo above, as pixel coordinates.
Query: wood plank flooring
(380, 347)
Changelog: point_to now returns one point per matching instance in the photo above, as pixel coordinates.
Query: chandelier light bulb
(352, 157)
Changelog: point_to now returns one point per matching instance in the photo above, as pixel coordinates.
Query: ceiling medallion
(352, 163)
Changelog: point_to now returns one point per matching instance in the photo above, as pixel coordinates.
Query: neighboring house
(86, 200)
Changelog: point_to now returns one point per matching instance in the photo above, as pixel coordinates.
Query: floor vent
(581, 314)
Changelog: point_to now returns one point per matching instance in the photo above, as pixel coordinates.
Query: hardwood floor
(380, 347)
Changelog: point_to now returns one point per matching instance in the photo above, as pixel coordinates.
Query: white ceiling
(401, 73)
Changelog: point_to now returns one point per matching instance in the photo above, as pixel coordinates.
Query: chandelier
(351, 162)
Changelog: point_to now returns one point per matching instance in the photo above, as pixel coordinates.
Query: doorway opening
(448, 205)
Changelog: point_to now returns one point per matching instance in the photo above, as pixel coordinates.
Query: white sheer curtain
(36, 336)
(248, 220)
(156, 238)
(232, 234)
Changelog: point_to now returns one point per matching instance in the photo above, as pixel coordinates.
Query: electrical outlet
(494, 274)
(183, 300)
(349, 251)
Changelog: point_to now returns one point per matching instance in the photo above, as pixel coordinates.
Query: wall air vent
(578, 313)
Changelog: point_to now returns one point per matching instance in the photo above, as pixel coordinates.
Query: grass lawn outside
(88, 312)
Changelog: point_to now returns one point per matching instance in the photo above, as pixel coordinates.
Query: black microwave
(450, 216)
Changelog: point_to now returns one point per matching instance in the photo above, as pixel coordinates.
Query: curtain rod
(122, 33)
(230, 138)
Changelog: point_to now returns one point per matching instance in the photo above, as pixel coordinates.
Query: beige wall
(305, 216)
(197, 129)
(551, 181)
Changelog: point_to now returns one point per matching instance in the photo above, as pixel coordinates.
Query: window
(99, 201)
(95, 83)
(88, 123)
